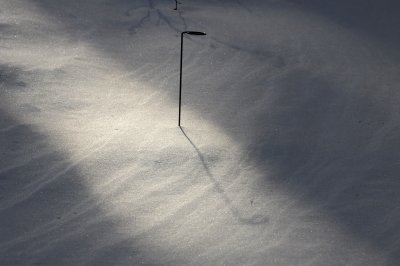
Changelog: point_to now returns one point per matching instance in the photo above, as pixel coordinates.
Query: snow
(288, 154)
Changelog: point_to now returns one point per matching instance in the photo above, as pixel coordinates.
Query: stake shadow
(254, 220)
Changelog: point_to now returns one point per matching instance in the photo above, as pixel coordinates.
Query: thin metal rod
(180, 82)
(180, 70)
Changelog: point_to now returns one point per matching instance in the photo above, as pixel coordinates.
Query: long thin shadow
(253, 220)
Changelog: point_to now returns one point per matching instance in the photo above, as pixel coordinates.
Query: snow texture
(288, 154)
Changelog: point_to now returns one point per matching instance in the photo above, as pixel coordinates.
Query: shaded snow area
(289, 151)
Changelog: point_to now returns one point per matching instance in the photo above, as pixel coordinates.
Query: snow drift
(288, 153)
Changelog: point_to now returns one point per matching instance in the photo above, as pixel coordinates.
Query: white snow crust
(288, 152)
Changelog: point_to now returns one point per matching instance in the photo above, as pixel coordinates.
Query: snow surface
(288, 155)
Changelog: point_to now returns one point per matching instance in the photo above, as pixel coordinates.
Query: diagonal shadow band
(254, 219)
